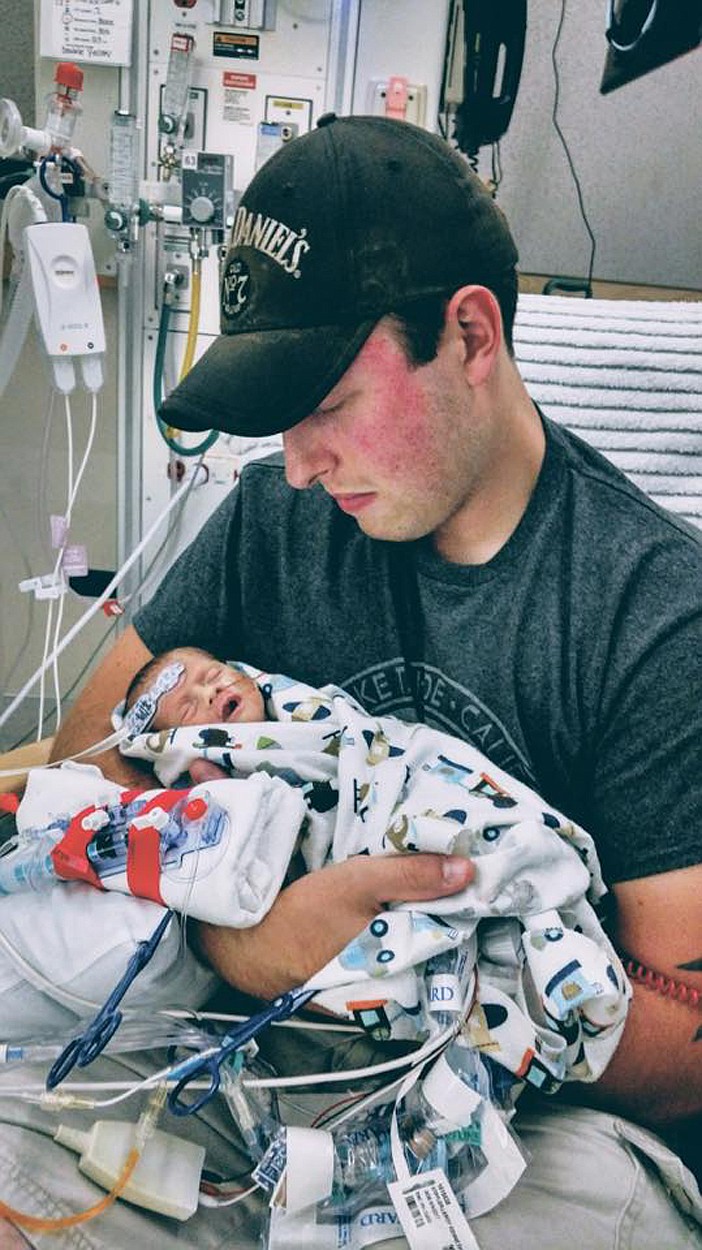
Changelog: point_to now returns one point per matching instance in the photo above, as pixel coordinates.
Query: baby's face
(208, 693)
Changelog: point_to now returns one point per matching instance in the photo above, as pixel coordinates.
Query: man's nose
(307, 458)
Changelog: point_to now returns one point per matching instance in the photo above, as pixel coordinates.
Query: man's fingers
(318, 914)
(412, 878)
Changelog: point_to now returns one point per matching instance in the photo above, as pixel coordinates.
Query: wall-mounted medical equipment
(485, 51)
(68, 307)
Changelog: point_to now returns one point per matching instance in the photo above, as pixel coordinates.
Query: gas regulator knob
(201, 209)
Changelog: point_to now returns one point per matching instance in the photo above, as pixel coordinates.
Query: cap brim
(263, 382)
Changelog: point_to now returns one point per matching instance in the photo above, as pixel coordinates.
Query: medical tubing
(33, 870)
(137, 1034)
(61, 197)
(63, 1099)
(160, 353)
(363, 1152)
(55, 574)
(74, 486)
(193, 319)
(97, 605)
(145, 1127)
(159, 365)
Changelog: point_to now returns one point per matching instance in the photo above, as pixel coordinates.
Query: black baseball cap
(338, 228)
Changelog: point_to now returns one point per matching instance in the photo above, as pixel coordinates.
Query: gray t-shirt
(571, 658)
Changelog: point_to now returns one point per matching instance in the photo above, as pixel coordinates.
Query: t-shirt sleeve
(647, 771)
(193, 603)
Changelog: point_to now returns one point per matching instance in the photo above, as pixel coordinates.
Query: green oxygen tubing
(167, 432)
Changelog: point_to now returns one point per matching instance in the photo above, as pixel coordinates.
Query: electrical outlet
(414, 107)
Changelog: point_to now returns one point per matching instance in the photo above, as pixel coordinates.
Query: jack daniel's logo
(284, 245)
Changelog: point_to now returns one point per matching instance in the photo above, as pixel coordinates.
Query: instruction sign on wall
(98, 31)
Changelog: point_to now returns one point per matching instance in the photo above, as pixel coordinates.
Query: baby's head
(191, 687)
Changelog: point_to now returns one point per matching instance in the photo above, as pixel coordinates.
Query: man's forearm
(655, 1075)
(88, 721)
(318, 914)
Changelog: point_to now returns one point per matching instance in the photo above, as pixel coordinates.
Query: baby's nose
(216, 687)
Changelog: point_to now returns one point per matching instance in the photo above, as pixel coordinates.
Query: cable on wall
(564, 144)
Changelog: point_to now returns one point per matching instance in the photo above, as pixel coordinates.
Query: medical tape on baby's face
(140, 716)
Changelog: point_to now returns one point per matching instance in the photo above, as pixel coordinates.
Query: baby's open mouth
(229, 707)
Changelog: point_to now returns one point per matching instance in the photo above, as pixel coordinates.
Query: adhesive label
(429, 1213)
(226, 43)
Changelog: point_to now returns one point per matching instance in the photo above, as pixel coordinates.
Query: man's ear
(473, 316)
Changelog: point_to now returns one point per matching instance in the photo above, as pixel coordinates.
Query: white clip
(95, 820)
(156, 818)
(47, 586)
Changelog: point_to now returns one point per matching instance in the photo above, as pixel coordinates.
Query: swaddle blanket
(518, 957)
(549, 995)
(218, 852)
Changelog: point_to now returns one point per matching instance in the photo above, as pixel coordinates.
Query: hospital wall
(636, 152)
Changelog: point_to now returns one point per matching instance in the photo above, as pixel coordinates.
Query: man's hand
(313, 919)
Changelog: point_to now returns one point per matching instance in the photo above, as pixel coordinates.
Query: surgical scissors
(209, 1063)
(83, 1049)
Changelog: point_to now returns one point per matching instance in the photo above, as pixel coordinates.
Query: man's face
(400, 449)
(208, 693)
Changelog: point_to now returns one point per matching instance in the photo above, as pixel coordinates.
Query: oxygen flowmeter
(174, 101)
(123, 177)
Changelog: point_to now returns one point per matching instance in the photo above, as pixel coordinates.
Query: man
(434, 544)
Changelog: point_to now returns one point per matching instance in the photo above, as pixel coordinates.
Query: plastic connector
(64, 374)
(167, 1176)
(92, 371)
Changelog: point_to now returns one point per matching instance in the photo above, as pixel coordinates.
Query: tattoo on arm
(694, 965)
(681, 992)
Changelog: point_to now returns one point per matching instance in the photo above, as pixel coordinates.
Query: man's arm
(89, 719)
(314, 918)
(655, 1075)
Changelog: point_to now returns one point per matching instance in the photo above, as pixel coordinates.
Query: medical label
(429, 1213)
(226, 43)
(239, 94)
(99, 31)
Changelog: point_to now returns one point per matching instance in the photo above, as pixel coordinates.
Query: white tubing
(94, 607)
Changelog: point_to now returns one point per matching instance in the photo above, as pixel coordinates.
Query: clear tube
(123, 177)
(176, 91)
(139, 1033)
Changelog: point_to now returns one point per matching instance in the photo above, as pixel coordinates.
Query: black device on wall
(645, 34)
(494, 34)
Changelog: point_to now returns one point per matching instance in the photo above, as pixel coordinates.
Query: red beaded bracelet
(652, 980)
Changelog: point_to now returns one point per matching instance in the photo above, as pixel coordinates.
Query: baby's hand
(205, 770)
